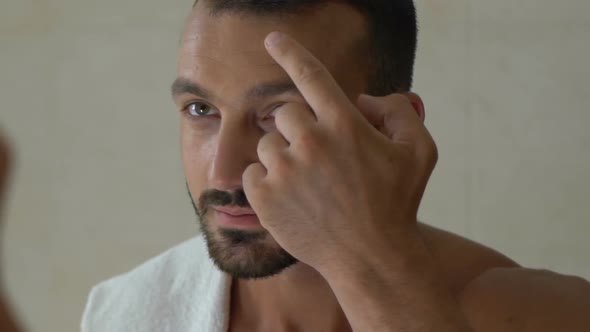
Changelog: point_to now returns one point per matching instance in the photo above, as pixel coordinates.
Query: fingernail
(273, 39)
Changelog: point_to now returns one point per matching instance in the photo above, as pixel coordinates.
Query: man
(307, 190)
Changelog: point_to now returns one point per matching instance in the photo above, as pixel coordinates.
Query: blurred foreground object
(7, 322)
(5, 159)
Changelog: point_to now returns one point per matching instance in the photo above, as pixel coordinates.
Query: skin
(366, 264)
(7, 321)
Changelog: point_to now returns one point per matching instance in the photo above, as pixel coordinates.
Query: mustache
(215, 197)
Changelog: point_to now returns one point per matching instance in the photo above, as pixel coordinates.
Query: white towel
(180, 290)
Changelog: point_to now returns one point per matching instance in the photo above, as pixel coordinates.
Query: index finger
(311, 77)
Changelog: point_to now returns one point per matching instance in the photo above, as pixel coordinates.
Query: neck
(298, 299)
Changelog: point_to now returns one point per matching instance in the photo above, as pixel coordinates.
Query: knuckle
(251, 176)
(249, 172)
(432, 153)
(427, 155)
(308, 71)
(281, 115)
(308, 144)
(262, 143)
(285, 115)
(265, 143)
(281, 165)
(275, 137)
(345, 124)
(281, 121)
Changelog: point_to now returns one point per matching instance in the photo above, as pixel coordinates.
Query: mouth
(235, 211)
(236, 217)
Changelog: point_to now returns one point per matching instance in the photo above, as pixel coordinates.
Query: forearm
(397, 293)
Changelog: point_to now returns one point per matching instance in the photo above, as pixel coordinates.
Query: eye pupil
(199, 109)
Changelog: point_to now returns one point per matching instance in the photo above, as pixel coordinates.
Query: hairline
(387, 73)
(361, 46)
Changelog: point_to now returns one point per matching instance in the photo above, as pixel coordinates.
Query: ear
(417, 103)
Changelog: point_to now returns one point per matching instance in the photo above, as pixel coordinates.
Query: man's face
(226, 90)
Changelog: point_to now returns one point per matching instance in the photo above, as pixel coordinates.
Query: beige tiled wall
(99, 187)
(506, 82)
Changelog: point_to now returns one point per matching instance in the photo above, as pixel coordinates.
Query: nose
(235, 150)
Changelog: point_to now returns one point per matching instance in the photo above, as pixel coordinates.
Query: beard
(243, 254)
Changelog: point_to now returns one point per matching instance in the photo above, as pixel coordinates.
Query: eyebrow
(260, 91)
(182, 86)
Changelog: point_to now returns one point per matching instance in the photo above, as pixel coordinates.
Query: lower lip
(243, 221)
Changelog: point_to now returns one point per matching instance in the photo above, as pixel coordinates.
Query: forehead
(227, 50)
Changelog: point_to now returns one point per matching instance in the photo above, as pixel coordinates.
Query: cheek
(197, 149)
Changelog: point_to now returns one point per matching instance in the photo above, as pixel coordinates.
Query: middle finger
(293, 120)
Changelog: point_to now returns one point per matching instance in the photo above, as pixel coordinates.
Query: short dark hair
(392, 34)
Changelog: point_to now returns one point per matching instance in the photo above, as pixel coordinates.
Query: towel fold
(180, 290)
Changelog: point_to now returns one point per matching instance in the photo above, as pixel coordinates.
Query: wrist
(391, 256)
(396, 291)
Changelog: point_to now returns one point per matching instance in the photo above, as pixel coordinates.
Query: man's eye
(198, 109)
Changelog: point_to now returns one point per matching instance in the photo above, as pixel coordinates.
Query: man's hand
(334, 187)
(340, 192)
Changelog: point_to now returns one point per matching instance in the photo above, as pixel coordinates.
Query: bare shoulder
(497, 294)
(519, 299)
(461, 260)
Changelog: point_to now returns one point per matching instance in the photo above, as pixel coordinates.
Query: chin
(246, 254)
